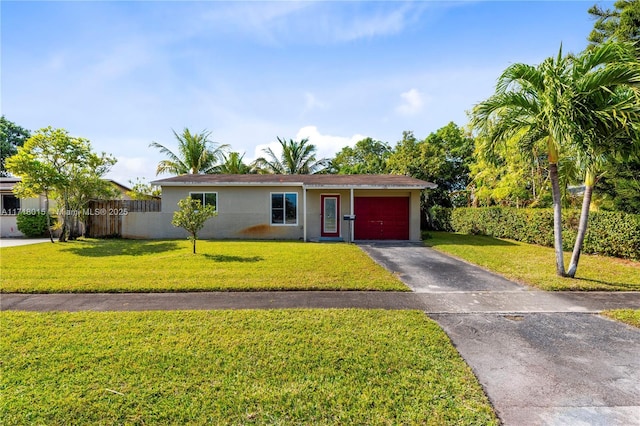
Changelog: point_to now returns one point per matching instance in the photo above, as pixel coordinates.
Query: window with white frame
(206, 198)
(284, 208)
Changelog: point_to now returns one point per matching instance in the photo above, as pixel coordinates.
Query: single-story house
(292, 207)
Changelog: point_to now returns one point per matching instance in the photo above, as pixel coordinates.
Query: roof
(320, 181)
(7, 183)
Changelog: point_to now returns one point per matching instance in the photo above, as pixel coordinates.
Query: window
(10, 204)
(284, 208)
(206, 198)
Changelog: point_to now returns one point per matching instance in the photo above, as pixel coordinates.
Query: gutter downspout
(354, 224)
(304, 208)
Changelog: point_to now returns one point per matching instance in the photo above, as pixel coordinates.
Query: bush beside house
(609, 233)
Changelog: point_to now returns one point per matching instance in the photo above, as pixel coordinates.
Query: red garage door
(381, 218)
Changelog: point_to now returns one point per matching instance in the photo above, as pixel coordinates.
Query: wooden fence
(103, 219)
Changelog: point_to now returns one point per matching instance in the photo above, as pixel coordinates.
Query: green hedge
(609, 233)
(32, 224)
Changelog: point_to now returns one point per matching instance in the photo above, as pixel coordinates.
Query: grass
(535, 265)
(628, 316)
(234, 367)
(159, 266)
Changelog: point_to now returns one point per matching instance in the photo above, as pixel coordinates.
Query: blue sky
(124, 74)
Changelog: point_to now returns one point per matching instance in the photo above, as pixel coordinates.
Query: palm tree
(569, 104)
(607, 99)
(296, 158)
(233, 165)
(196, 154)
(531, 107)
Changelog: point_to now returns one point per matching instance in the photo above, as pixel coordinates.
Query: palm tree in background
(233, 164)
(296, 158)
(196, 154)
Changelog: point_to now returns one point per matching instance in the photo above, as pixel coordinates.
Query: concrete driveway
(543, 358)
(13, 242)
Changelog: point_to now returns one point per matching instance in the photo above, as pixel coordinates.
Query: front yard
(160, 266)
(234, 367)
(535, 265)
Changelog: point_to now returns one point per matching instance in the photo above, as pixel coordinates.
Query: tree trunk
(46, 203)
(193, 239)
(557, 218)
(582, 230)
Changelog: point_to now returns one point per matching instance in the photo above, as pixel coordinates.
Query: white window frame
(203, 197)
(284, 194)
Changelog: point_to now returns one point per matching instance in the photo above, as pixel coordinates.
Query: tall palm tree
(233, 165)
(531, 106)
(607, 98)
(569, 104)
(196, 154)
(296, 158)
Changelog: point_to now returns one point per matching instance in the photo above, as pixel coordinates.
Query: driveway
(13, 242)
(542, 358)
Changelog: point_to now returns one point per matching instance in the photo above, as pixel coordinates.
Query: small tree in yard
(191, 216)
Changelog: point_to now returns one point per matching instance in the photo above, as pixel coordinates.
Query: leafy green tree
(11, 137)
(297, 157)
(622, 23)
(368, 156)
(196, 154)
(443, 158)
(233, 164)
(141, 190)
(192, 216)
(55, 164)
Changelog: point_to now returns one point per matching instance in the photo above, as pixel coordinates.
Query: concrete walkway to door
(543, 358)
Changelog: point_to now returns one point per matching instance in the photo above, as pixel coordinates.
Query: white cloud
(130, 168)
(327, 145)
(412, 102)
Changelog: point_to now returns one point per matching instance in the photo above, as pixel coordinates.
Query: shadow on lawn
(433, 239)
(105, 248)
(224, 258)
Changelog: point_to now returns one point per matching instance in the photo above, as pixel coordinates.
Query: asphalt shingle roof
(380, 181)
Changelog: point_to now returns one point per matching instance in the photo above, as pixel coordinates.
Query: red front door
(330, 215)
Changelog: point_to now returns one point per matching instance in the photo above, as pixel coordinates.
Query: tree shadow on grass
(450, 238)
(106, 248)
(224, 258)
(599, 285)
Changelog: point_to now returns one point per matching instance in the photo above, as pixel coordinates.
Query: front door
(330, 215)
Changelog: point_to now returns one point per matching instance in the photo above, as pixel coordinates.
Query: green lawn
(629, 316)
(157, 266)
(234, 367)
(535, 265)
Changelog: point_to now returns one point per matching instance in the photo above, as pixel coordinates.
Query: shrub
(32, 224)
(440, 218)
(609, 233)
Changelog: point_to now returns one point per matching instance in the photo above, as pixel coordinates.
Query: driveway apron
(543, 358)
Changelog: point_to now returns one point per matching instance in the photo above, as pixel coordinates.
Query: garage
(381, 218)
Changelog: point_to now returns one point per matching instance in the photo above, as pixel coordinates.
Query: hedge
(32, 224)
(609, 233)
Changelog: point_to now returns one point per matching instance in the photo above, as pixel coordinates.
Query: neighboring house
(291, 207)
(10, 206)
